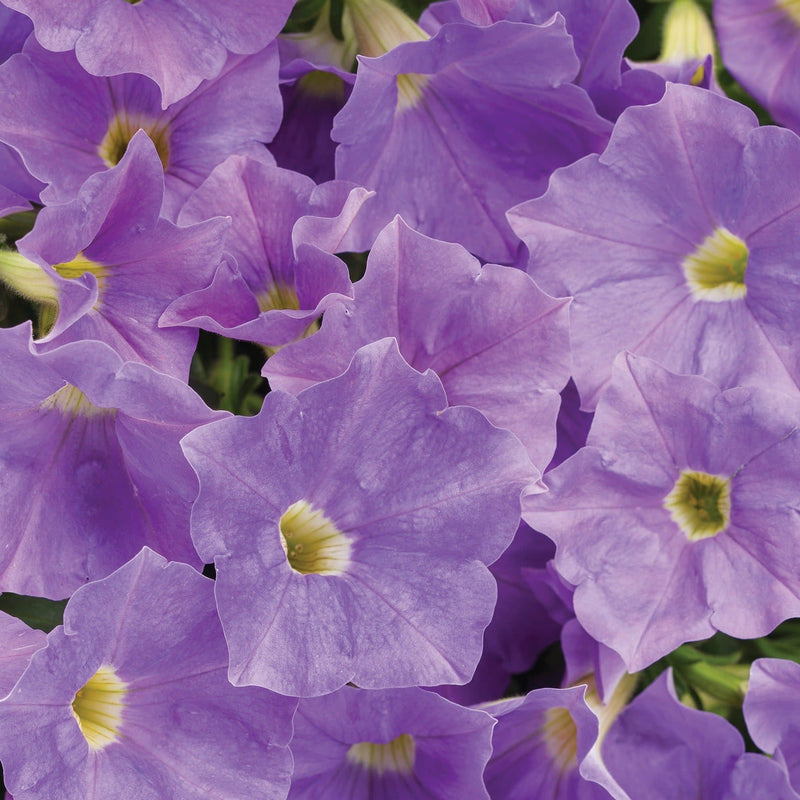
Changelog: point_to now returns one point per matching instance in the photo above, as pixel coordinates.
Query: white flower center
(312, 543)
(715, 271)
(394, 756)
(98, 708)
(700, 504)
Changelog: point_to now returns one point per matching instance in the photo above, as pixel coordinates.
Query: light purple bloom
(279, 273)
(91, 466)
(772, 712)
(678, 518)
(760, 45)
(72, 124)
(175, 43)
(469, 130)
(18, 643)
(660, 748)
(678, 243)
(547, 745)
(129, 700)
(497, 343)
(350, 528)
(397, 744)
(111, 265)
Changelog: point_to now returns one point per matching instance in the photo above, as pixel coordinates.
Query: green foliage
(35, 612)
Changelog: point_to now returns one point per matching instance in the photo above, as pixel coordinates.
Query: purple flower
(91, 464)
(660, 748)
(73, 124)
(455, 123)
(279, 273)
(772, 712)
(129, 699)
(176, 43)
(677, 243)
(403, 744)
(547, 745)
(350, 528)
(497, 343)
(678, 517)
(18, 643)
(106, 265)
(759, 44)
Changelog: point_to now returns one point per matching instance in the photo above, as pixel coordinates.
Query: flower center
(715, 271)
(278, 296)
(700, 504)
(394, 756)
(73, 402)
(792, 9)
(98, 708)
(560, 735)
(409, 89)
(121, 130)
(312, 543)
(80, 265)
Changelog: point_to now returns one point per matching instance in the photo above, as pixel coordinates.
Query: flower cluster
(399, 408)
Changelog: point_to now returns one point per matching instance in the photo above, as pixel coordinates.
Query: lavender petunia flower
(129, 700)
(91, 465)
(18, 643)
(772, 712)
(175, 43)
(677, 520)
(660, 748)
(677, 243)
(280, 273)
(760, 45)
(497, 343)
(473, 120)
(397, 744)
(106, 265)
(547, 745)
(72, 124)
(356, 520)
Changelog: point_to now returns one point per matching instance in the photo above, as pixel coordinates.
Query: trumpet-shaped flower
(403, 744)
(678, 517)
(677, 243)
(129, 700)
(497, 343)
(72, 124)
(91, 465)
(350, 528)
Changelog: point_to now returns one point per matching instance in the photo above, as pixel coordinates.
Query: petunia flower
(92, 470)
(279, 273)
(472, 120)
(398, 744)
(129, 700)
(677, 243)
(73, 124)
(661, 748)
(495, 340)
(350, 528)
(677, 519)
(760, 45)
(772, 712)
(174, 43)
(106, 265)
